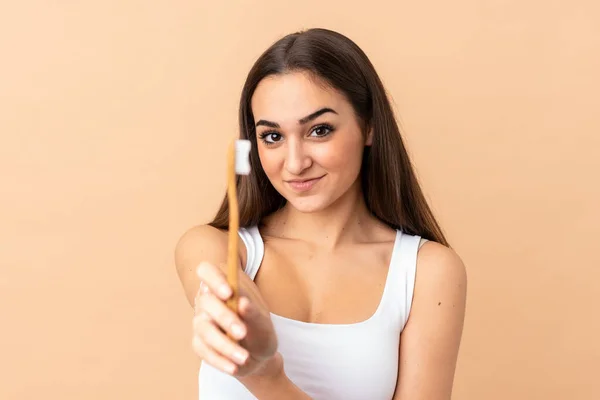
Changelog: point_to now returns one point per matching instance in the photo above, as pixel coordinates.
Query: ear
(369, 138)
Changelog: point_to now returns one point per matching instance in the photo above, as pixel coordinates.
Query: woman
(350, 290)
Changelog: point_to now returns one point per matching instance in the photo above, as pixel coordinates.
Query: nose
(297, 158)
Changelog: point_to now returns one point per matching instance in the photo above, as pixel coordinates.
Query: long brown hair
(390, 187)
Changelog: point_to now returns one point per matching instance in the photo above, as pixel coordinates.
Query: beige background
(114, 120)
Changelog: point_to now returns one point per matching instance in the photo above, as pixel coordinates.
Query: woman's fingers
(218, 311)
(211, 276)
(201, 291)
(215, 339)
(212, 357)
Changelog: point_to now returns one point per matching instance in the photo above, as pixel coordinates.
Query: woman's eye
(321, 131)
(271, 137)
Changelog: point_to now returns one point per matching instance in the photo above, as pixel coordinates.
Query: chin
(308, 204)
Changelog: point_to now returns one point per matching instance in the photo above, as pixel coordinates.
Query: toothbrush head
(242, 157)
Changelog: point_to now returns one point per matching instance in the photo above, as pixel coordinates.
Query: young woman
(349, 289)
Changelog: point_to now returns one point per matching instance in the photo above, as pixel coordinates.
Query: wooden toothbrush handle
(234, 222)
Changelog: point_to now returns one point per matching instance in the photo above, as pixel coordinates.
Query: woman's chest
(339, 287)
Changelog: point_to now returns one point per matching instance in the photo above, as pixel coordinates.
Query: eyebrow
(301, 121)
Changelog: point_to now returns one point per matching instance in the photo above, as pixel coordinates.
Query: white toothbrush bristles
(242, 157)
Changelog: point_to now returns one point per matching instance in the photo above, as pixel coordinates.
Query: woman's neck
(345, 221)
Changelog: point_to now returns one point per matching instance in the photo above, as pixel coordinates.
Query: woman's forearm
(275, 388)
(273, 383)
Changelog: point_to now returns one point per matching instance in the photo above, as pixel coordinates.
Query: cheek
(339, 155)
(270, 161)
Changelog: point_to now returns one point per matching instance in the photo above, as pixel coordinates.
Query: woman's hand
(251, 326)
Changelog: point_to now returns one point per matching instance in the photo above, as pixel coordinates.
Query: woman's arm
(273, 383)
(198, 244)
(208, 244)
(431, 338)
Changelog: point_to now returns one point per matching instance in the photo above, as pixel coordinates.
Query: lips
(303, 185)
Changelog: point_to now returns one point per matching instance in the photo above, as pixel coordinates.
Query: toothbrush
(238, 164)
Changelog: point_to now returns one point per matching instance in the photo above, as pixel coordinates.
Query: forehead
(293, 96)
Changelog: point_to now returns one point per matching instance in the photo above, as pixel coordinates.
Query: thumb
(246, 309)
(261, 340)
(257, 318)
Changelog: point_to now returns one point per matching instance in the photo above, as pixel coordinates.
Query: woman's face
(309, 140)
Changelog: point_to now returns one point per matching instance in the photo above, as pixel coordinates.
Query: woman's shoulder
(197, 244)
(201, 239)
(439, 267)
(434, 253)
(204, 231)
(206, 240)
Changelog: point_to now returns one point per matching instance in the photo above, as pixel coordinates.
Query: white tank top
(357, 361)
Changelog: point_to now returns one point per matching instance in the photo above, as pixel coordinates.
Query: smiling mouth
(303, 185)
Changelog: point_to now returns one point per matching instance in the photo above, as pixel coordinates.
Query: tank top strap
(401, 278)
(255, 249)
